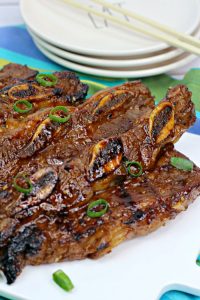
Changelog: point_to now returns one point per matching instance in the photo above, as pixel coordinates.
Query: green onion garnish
(56, 118)
(63, 280)
(135, 164)
(182, 163)
(46, 79)
(20, 188)
(22, 102)
(96, 214)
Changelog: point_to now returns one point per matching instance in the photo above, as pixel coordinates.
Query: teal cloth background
(17, 46)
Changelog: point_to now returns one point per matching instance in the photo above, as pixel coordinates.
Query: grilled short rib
(132, 99)
(102, 116)
(69, 90)
(87, 158)
(72, 164)
(58, 229)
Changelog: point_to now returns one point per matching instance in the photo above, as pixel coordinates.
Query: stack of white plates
(91, 45)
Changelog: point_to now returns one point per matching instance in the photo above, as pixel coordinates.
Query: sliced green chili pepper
(46, 80)
(182, 163)
(135, 164)
(20, 188)
(56, 118)
(96, 214)
(63, 280)
(22, 102)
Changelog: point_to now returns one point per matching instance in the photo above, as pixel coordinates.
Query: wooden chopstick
(173, 41)
(181, 36)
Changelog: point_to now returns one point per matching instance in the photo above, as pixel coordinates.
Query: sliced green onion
(96, 214)
(56, 118)
(20, 188)
(22, 102)
(182, 163)
(135, 164)
(63, 280)
(46, 79)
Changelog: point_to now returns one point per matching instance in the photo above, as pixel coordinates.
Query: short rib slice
(13, 73)
(68, 90)
(121, 105)
(127, 111)
(56, 230)
(82, 165)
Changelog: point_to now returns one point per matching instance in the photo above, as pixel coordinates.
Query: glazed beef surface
(127, 111)
(13, 73)
(90, 120)
(72, 164)
(67, 91)
(57, 228)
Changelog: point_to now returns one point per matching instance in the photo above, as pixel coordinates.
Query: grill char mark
(25, 93)
(106, 157)
(25, 244)
(160, 121)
